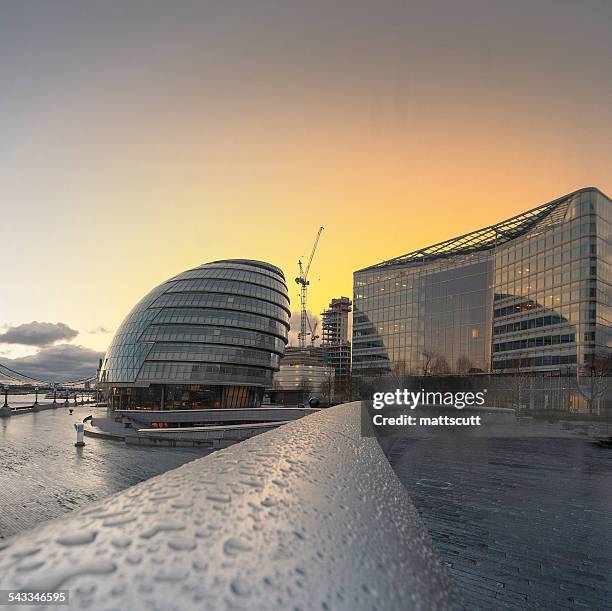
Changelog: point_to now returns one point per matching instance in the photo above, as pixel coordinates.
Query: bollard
(79, 427)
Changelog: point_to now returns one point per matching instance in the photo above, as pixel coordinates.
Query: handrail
(309, 515)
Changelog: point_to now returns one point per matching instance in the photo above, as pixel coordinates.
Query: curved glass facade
(209, 337)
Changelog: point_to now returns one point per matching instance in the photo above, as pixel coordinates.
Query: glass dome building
(210, 337)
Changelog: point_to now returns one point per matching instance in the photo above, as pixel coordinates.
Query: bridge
(15, 383)
(14, 380)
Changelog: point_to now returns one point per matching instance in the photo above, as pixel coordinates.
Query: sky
(141, 138)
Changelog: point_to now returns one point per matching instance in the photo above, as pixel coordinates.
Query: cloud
(60, 363)
(295, 321)
(98, 329)
(38, 334)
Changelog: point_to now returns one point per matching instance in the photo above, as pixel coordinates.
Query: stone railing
(307, 516)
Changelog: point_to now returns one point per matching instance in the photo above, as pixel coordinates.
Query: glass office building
(210, 337)
(529, 294)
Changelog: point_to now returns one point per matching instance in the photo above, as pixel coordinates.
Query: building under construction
(335, 344)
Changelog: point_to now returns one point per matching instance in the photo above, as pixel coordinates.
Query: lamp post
(5, 410)
(35, 406)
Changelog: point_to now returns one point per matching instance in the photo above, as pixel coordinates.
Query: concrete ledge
(31, 409)
(256, 414)
(9, 411)
(213, 437)
(309, 516)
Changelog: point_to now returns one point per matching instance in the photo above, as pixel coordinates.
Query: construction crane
(313, 331)
(302, 280)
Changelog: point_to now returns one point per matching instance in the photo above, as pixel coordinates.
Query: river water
(42, 474)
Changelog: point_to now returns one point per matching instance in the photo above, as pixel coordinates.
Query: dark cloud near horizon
(39, 334)
(60, 363)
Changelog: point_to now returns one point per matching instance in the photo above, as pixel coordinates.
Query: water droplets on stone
(53, 580)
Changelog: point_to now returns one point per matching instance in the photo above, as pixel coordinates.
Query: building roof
(488, 237)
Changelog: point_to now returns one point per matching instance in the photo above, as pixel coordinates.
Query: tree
(440, 365)
(399, 374)
(464, 364)
(428, 358)
(327, 387)
(594, 385)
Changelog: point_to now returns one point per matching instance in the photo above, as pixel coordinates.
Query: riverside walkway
(307, 516)
(312, 515)
(522, 522)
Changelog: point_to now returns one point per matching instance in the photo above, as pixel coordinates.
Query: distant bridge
(14, 380)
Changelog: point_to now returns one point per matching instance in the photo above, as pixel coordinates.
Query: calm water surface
(42, 474)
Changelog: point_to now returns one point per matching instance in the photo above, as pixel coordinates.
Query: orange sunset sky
(142, 138)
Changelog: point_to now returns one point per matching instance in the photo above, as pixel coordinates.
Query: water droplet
(81, 538)
(233, 546)
(25, 551)
(118, 521)
(182, 544)
(162, 527)
(176, 575)
(219, 498)
(239, 587)
(121, 543)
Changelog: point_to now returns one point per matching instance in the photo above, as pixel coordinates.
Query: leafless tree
(399, 374)
(327, 387)
(428, 358)
(463, 365)
(520, 387)
(594, 384)
(306, 388)
(440, 365)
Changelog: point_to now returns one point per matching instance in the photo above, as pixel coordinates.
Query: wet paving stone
(521, 523)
